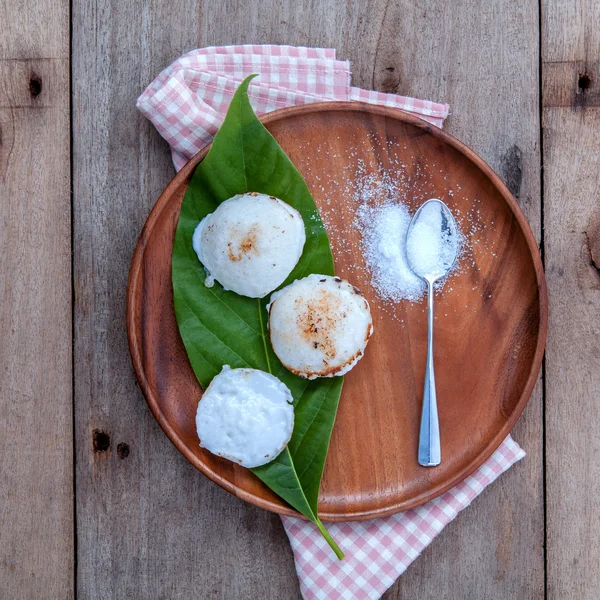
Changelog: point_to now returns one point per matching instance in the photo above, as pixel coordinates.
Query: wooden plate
(490, 328)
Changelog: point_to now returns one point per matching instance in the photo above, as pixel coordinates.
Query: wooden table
(94, 500)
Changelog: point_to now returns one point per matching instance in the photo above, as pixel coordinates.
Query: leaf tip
(243, 87)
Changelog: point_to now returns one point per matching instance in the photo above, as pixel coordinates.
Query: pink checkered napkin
(187, 103)
(378, 551)
(188, 100)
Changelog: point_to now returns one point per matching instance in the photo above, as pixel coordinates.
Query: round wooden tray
(488, 348)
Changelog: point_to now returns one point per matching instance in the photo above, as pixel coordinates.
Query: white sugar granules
(432, 243)
(384, 245)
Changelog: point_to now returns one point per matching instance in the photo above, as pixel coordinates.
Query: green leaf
(220, 327)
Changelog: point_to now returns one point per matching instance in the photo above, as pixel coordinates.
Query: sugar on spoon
(432, 243)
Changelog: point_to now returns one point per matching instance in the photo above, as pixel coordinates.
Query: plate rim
(492, 445)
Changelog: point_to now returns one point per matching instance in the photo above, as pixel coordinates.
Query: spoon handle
(430, 454)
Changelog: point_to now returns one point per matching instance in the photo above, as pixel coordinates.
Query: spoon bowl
(432, 241)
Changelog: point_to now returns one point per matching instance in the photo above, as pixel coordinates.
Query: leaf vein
(263, 335)
(213, 334)
(307, 428)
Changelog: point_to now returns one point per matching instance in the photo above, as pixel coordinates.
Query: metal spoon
(432, 244)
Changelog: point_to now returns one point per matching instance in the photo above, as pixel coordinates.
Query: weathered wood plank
(36, 443)
(149, 525)
(571, 120)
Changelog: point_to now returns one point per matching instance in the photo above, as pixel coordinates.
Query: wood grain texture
(497, 315)
(571, 119)
(36, 443)
(144, 521)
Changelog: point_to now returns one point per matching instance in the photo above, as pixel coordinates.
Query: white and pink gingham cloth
(187, 103)
(188, 100)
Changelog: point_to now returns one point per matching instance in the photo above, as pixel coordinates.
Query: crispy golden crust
(316, 323)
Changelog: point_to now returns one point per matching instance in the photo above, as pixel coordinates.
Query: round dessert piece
(319, 326)
(245, 415)
(250, 244)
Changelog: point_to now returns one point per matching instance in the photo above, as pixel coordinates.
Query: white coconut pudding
(245, 415)
(319, 326)
(250, 244)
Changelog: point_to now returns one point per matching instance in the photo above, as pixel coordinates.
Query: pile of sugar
(384, 230)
